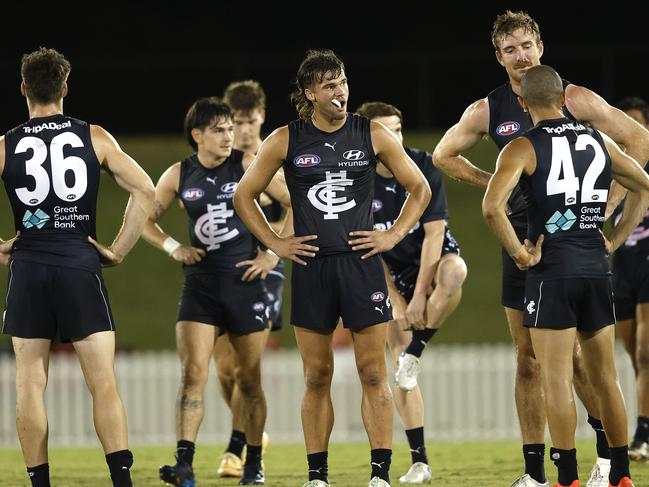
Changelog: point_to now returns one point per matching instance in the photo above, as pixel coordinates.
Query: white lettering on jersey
(207, 226)
(60, 164)
(323, 195)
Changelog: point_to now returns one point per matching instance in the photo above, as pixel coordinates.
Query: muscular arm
(256, 179)
(589, 107)
(132, 178)
(431, 251)
(630, 176)
(278, 190)
(461, 137)
(516, 157)
(391, 153)
(165, 193)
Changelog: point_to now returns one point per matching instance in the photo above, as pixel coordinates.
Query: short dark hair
(245, 96)
(505, 24)
(203, 113)
(541, 86)
(634, 103)
(44, 73)
(374, 109)
(314, 67)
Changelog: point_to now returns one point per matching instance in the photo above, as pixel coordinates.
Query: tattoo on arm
(158, 209)
(186, 403)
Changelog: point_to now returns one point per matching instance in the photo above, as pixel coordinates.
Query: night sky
(136, 68)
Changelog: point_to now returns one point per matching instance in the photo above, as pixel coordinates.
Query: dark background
(137, 67)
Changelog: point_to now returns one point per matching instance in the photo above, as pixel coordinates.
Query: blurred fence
(468, 393)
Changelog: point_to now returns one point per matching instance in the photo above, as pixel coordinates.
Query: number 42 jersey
(51, 175)
(566, 199)
(330, 176)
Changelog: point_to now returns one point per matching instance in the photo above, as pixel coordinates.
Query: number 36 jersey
(566, 199)
(330, 176)
(51, 175)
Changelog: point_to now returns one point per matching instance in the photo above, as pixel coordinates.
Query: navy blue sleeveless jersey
(507, 120)
(51, 176)
(567, 198)
(214, 226)
(330, 176)
(389, 197)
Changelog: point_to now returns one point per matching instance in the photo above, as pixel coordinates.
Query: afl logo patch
(193, 194)
(259, 306)
(229, 187)
(508, 128)
(378, 296)
(306, 160)
(376, 205)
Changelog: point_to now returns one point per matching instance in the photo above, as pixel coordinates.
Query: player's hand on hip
(529, 254)
(107, 256)
(293, 247)
(416, 311)
(260, 266)
(188, 255)
(376, 240)
(6, 246)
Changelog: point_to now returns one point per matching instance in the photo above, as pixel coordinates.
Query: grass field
(494, 464)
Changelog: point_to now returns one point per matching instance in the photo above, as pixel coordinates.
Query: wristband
(170, 245)
(272, 253)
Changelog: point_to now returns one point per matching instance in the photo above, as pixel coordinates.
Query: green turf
(494, 464)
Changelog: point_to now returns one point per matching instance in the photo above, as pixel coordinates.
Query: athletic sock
(534, 453)
(237, 442)
(39, 475)
(619, 464)
(417, 445)
(602, 442)
(642, 430)
(380, 461)
(253, 455)
(185, 451)
(566, 462)
(420, 339)
(318, 466)
(119, 464)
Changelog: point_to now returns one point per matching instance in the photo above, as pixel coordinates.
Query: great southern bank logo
(37, 219)
(306, 160)
(508, 128)
(560, 221)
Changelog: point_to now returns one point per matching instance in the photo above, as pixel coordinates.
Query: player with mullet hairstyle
(51, 166)
(518, 46)
(564, 168)
(329, 158)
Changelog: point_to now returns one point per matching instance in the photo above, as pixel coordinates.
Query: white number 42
(569, 185)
